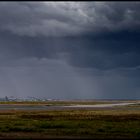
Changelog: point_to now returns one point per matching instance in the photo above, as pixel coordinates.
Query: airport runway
(45, 107)
(102, 105)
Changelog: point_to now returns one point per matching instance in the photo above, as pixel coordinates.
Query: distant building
(6, 98)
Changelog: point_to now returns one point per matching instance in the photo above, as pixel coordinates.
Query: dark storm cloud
(68, 19)
(70, 49)
(100, 29)
(108, 51)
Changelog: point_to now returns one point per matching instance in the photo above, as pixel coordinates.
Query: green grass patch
(70, 123)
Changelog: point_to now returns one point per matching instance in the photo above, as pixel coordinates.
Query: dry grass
(72, 124)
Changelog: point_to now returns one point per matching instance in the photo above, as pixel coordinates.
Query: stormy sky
(70, 50)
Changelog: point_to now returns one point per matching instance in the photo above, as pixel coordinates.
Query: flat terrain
(70, 119)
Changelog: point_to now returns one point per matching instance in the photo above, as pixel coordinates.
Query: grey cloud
(68, 18)
(53, 50)
(56, 79)
(104, 60)
(106, 53)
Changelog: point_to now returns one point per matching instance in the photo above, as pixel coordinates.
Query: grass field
(123, 122)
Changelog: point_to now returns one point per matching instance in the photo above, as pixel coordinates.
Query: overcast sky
(70, 50)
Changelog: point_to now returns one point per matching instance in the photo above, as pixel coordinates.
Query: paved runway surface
(45, 107)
